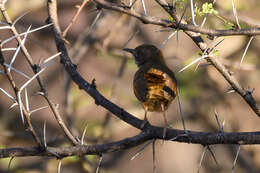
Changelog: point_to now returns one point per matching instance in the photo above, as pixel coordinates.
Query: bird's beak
(132, 51)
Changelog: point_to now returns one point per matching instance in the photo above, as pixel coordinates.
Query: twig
(75, 17)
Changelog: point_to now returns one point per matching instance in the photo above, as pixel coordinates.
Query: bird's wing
(140, 86)
(163, 80)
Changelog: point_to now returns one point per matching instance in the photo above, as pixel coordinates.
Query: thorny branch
(36, 69)
(204, 138)
(16, 90)
(174, 24)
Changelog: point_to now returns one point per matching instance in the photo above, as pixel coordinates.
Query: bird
(154, 83)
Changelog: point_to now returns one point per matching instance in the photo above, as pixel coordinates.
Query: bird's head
(146, 53)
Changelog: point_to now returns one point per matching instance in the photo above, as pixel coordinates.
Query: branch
(175, 24)
(204, 138)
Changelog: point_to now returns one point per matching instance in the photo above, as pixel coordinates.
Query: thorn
(17, 71)
(250, 91)
(145, 13)
(24, 33)
(35, 110)
(13, 105)
(192, 13)
(154, 159)
(180, 110)
(43, 62)
(141, 149)
(93, 83)
(57, 105)
(235, 14)
(59, 166)
(245, 51)
(216, 116)
(17, 19)
(83, 135)
(132, 4)
(214, 47)
(193, 62)
(20, 105)
(167, 39)
(202, 157)
(9, 163)
(27, 106)
(18, 48)
(53, 153)
(235, 160)
(44, 134)
(222, 127)
(213, 155)
(32, 78)
(230, 90)
(99, 163)
(7, 94)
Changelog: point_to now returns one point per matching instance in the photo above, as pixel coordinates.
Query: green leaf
(216, 53)
(229, 25)
(171, 18)
(198, 12)
(207, 8)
